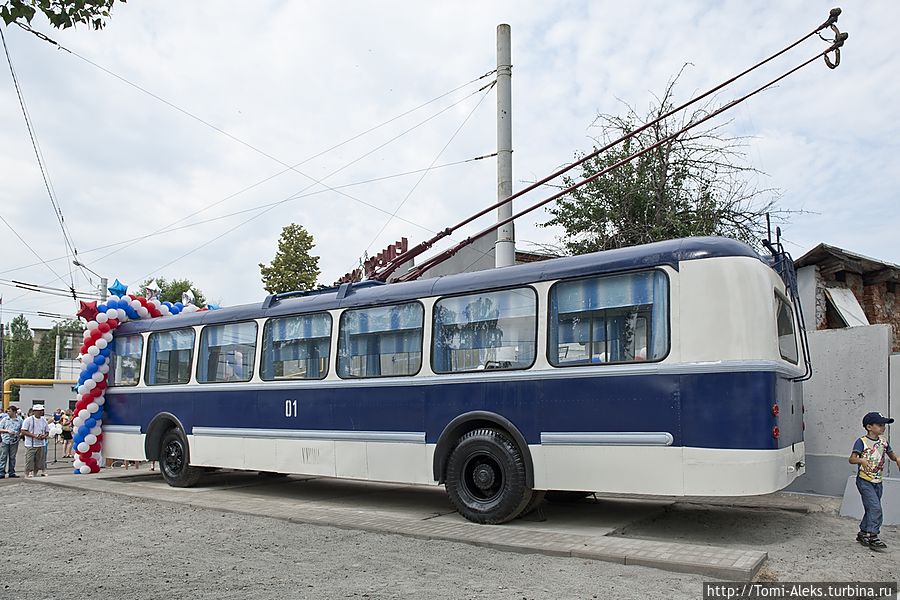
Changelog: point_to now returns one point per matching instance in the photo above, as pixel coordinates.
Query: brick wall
(879, 301)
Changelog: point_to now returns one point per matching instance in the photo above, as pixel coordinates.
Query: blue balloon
(90, 423)
(99, 360)
(105, 351)
(82, 431)
(132, 314)
(179, 305)
(102, 308)
(167, 303)
(90, 369)
(76, 472)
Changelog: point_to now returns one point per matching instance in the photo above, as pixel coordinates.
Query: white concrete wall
(52, 397)
(806, 284)
(850, 378)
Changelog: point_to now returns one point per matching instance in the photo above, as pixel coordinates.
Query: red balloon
(84, 348)
(102, 385)
(81, 405)
(113, 323)
(103, 327)
(95, 447)
(95, 468)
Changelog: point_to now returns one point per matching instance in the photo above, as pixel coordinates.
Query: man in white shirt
(35, 430)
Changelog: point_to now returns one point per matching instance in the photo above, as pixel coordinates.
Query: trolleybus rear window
(488, 330)
(227, 352)
(169, 357)
(615, 319)
(296, 347)
(787, 340)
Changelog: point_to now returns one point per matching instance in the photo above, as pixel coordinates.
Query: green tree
(171, 291)
(696, 184)
(62, 14)
(18, 352)
(293, 268)
(43, 362)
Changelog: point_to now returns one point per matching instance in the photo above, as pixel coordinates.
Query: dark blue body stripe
(713, 410)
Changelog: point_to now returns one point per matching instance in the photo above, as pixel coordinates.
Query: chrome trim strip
(121, 429)
(733, 366)
(615, 438)
(314, 434)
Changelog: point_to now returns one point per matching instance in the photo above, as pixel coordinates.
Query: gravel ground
(119, 547)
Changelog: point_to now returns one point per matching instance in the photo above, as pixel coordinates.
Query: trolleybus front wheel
(174, 460)
(486, 477)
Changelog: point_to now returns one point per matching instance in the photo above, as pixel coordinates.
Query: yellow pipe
(7, 386)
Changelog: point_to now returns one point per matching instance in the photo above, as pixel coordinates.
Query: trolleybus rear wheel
(175, 460)
(486, 477)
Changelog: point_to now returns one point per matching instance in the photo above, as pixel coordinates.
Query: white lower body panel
(654, 470)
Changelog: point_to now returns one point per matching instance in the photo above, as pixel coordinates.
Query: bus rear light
(776, 432)
(775, 410)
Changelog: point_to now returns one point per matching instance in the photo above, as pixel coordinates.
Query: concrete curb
(711, 561)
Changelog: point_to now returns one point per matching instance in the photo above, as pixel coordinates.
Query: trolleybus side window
(487, 330)
(787, 340)
(169, 357)
(613, 319)
(125, 361)
(296, 347)
(227, 352)
(381, 342)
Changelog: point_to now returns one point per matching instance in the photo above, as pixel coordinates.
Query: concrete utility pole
(103, 291)
(505, 248)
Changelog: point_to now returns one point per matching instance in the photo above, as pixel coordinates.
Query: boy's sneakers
(871, 540)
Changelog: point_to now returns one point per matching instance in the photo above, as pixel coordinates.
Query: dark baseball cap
(876, 418)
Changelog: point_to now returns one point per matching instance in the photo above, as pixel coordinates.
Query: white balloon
(98, 377)
(142, 312)
(90, 384)
(78, 421)
(91, 325)
(102, 318)
(82, 389)
(108, 336)
(164, 310)
(93, 350)
(84, 447)
(78, 464)
(90, 439)
(120, 315)
(135, 304)
(96, 456)
(85, 469)
(101, 343)
(86, 359)
(95, 431)
(100, 400)
(104, 368)
(84, 414)
(111, 313)
(99, 423)
(93, 407)
(86, 333)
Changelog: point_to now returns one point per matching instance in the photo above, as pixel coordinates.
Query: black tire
(486, 477)
(175, 460)
(564, 496)
(537, 498)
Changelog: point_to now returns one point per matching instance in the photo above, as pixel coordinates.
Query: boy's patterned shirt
(873, 451)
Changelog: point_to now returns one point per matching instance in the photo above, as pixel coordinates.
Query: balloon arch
(102, 321)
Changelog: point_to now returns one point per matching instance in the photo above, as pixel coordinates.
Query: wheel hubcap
(174, 458)
(482, 478)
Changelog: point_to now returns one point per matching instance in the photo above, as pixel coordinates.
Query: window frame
(554, 362)
(290, 316)
(199, 342)
(779, 296)
(537, 315)
(337, 354)
(193, 355)
(140, 369)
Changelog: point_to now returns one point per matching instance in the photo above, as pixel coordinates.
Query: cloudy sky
(244, 89)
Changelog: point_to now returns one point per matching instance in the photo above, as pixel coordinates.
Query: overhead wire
(428, 170)
(69, 245)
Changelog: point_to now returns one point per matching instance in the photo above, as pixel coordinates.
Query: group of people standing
(34, 431)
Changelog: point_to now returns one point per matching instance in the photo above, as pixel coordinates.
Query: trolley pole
(505, 248)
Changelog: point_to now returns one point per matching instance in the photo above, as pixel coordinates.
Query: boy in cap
(869, 452)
